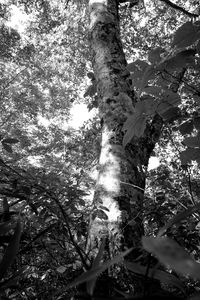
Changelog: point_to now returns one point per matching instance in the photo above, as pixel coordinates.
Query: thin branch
(190, 187)
(179, 8)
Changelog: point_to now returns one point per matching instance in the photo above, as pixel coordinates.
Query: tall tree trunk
(122, 172)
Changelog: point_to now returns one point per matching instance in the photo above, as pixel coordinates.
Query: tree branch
(179, 8)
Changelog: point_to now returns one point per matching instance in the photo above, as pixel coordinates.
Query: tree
(130, 130)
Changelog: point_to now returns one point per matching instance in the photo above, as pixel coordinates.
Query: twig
(179, 8)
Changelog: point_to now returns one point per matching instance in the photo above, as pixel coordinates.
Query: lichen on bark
(121, 179)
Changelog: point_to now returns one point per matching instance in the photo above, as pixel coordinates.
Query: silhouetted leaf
(7, 147)
(103, 207)
(179, 61)
(172, 255)
(91, 90)
(134, 126)
(189, 154)
(147, 75)
(162, 276)
(102, 215)
(91, 283)
(91, 75)
(193, 141)
(10, 141)
(186, 127)
(138, 65)
(153, 90)
(186, 35)
(89, 275)
(154, 55)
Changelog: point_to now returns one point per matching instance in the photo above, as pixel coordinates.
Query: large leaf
(7, 147)
(134, 126)
(147, 75)
(162, 276)
(91, 90)
(138, 65)
(141, 73)
(192, 141)
(89, 275)
(186, 127)
(189, 154)
(11, 250)
(168, 101)
(91, 283)
(179, 217)
(154, 55)
(172, 255)
(11, 141)
(179, 61)
(153, 90)
(186, 35)
(102, 215)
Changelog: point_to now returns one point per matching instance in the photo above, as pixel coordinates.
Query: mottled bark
(122, 172)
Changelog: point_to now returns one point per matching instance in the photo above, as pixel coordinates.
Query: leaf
(146, 106)
(96, 263)
(10, 141)
(162, 276)
(153, 90)
(97, 271)
(7, 147)
(11, 250)
(138, 65)
(171, 114)
(91, 90)
(193, 141)
(186, 127)
(61, 269)
(179, 61)
(154, 55)
(147, 75)
(141, 73)
(91, 75)
(186, 35)
(102, 215)
(189, 154)
(103, 207)
(134, 126)
(170, 100)
(172, 255)
(179, 217)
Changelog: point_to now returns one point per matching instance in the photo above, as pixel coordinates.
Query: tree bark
(121, 180)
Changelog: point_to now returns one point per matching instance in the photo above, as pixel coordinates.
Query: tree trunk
(121, 180)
